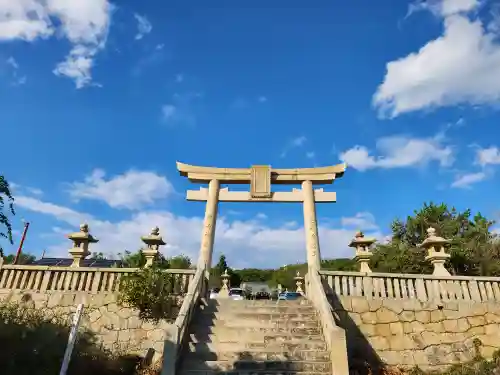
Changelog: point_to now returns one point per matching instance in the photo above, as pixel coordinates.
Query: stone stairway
(255, 337)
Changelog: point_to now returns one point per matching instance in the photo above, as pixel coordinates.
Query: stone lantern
(81, 241)
(153, 243)
(224, 291)
(363, 252)
(298, 281)
(435, 252)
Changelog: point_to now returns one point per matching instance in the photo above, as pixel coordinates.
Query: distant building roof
(66, 262)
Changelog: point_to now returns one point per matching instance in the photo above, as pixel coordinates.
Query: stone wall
(431, 335)
(117, 328)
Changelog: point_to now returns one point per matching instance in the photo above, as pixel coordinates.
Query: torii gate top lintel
(319, 175)
(260, 178)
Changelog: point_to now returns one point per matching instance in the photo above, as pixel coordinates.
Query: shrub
(150, 291)
(34, 342)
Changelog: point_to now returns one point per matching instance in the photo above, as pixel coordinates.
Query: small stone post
(435, 252)
(224, 291)
(363, 252)
(153, 243)
(298, 281)
(81, 241)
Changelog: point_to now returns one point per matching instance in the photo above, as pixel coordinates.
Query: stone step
(277, 354)
(255, 338)
(260, 346)
(272, 309)
(223, 331)
(254, 323)
(251, 365)
(244, 372)
(258, 302)
(269, 315)
(256, 306)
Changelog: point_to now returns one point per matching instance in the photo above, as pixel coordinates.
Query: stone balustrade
(411, 286)
(77, 279)
(176, 334)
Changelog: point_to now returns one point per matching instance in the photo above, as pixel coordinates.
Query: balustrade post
(363, 252)
(153, 243)
(435, 252)
(298, 282)
(224, 291)
(81, 241)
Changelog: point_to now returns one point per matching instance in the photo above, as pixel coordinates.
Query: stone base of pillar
(78, 255)
(438, 259)
(223, 293)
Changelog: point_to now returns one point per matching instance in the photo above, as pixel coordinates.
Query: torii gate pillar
(209, 224)
(311, 226)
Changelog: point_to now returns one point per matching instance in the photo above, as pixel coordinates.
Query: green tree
(97, 256)
(474, 249)
(221, 266)
(6, 208)
(179, 262)
(138, 260)
(340, 264)
(219, 269)
(24, 258)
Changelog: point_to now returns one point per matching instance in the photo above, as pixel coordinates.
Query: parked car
(262, 295)
(236, 294)
(214, 293)
(289, 296)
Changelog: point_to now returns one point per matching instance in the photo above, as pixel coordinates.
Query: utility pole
(26, 226)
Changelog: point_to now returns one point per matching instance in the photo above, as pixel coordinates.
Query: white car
(214, 293)
(236, 294)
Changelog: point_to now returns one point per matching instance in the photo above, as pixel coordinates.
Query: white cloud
(19, 189)
(293, 143)
(131, 190)
(399, 152)
(361, 221)
(84, 23)
(24, 19)
(77, 66)
(299, 141)
(181, 109)
(488, 156)
(61, 213)
(462, 66)
(466, 180)
(310, 155)
(245, 243)
(168, 111)
(13, 65)
(12, 62)
(443, 8)
(143, 26)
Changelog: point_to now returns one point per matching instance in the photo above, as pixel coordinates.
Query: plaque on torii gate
(261, 178)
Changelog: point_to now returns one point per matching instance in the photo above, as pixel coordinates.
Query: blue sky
(99, 99)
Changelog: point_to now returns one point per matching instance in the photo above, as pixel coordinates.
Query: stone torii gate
(260, 178)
